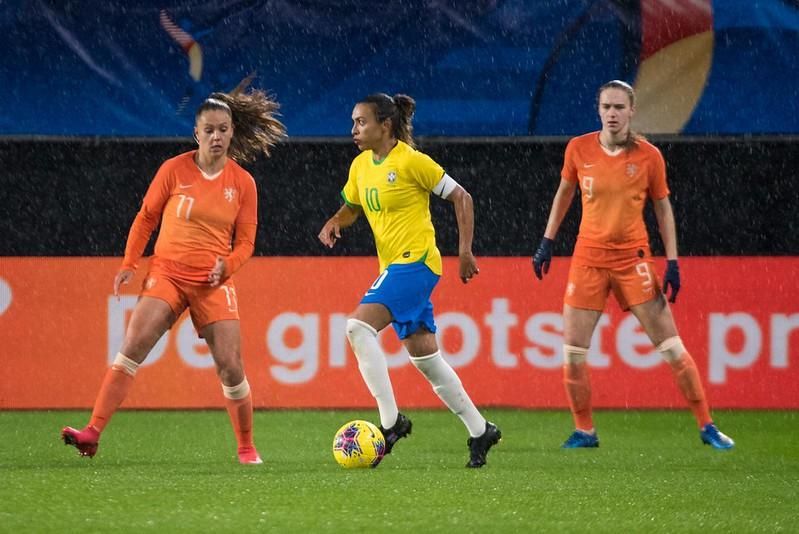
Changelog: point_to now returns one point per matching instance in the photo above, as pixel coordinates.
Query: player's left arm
(668, 233)
(666, 226)
(243, 247)
(244, 231)
(659, 193)
(448, 189)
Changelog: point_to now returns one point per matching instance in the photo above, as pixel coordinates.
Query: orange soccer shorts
(206, 304)
(632, 280)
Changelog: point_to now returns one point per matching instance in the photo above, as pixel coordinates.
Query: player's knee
(574, 355)
(237, 392)
(425, 364)
(359, 332)
(138, 344)
(230, 373)
(135, 350)
(672, 349)
(124, 364)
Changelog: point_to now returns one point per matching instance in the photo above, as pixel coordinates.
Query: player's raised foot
(712, 436)
(479, 446)
(581, 440)
(402, 428)
(249, 456)
(86, 440)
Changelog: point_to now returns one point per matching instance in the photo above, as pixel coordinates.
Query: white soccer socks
(372, 364)
(450, 390)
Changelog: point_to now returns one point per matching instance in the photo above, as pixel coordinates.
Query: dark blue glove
(672, 278)
(542, 258)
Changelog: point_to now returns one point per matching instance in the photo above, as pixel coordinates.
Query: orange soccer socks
(687, 378)
(116, 384)
(577, 379)
(238, 401)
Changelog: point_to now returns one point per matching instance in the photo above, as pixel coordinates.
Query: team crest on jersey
(229, 194)
(391, 177)
(631, 169)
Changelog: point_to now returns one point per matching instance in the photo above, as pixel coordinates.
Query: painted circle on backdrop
(676, 58)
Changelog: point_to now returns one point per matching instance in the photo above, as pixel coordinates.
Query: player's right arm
(349, 212)
(143, 226)
(344, 217)
(560, 205)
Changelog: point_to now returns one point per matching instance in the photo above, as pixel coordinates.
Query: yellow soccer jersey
(395, 197)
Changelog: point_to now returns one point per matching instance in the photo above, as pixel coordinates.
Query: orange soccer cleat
(249, 455)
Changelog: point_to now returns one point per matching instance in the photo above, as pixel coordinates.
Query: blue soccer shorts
(405, 290)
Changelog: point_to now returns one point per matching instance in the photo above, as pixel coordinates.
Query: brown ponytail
(256, 128)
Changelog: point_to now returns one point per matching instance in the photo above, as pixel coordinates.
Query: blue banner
(475, 67)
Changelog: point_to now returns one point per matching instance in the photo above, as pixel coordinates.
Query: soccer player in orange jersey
(207, 208)
(617, 170)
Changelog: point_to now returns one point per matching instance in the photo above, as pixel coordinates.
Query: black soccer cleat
(479, 446)
(401, 429)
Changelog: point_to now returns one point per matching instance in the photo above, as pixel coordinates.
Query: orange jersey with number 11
(198, 215)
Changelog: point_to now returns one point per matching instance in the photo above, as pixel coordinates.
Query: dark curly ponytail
(399, 109)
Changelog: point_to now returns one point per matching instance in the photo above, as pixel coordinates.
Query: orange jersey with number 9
(614, 190)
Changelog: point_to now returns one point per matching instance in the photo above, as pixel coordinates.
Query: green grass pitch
(176, 471)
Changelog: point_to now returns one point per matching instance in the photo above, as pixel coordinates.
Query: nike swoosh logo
(588, 165)
(369, 293)
(185, 186)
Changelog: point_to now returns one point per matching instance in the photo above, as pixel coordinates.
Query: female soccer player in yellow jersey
(390, 182)
(617, 170)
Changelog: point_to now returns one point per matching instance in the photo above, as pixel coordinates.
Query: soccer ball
(359, 444)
